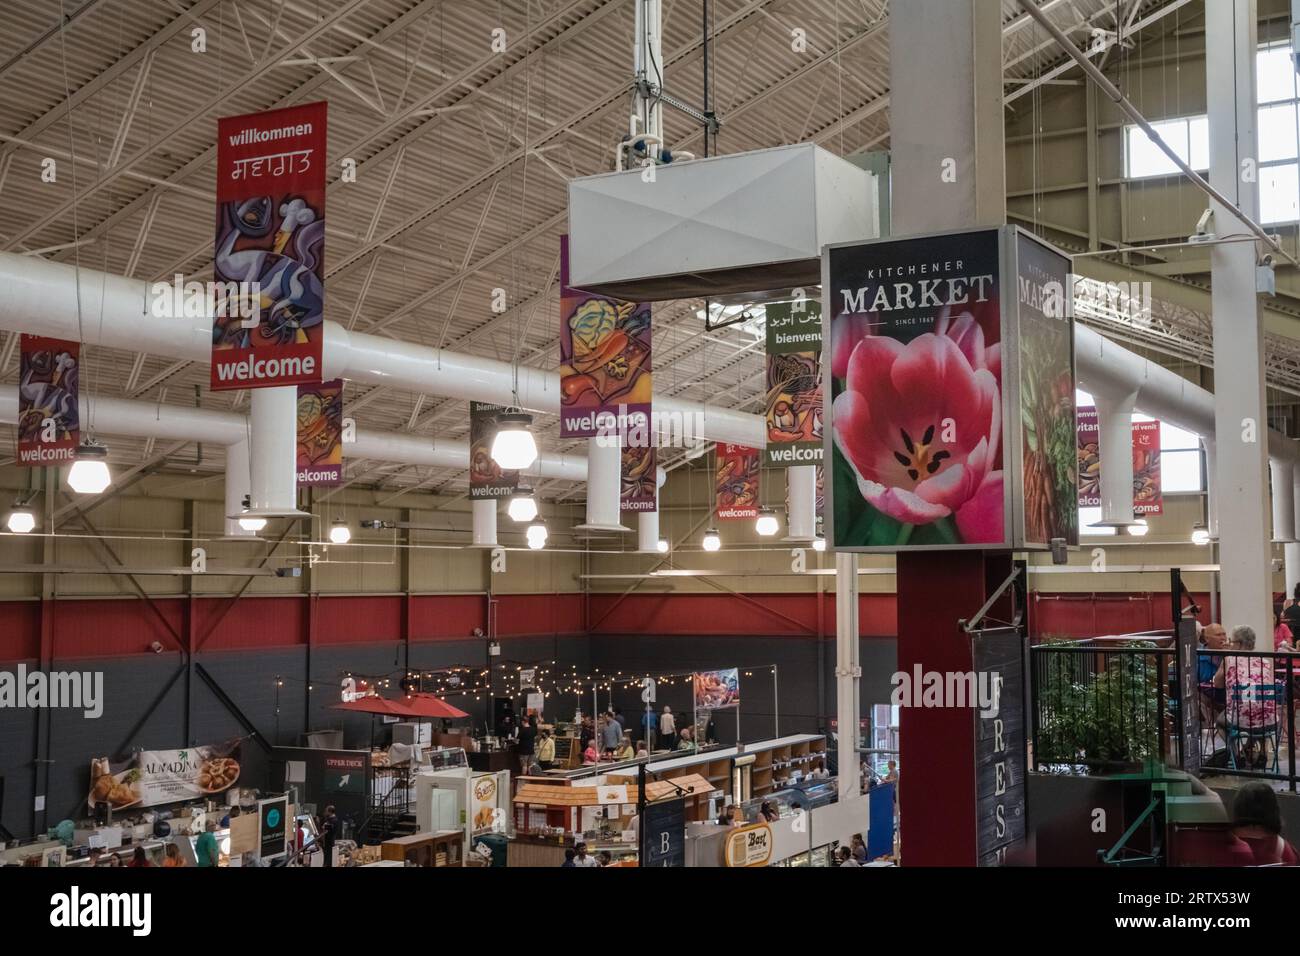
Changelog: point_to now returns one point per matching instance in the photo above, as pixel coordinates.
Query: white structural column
(848, 671)
(647, 522)
(1115, 446)
(604, 464)
(1292, 548)
(801, 495)
(648, 65)
(1282, 478)
(1240, 422)
(273, 420)
(237, 486)
(483, 513)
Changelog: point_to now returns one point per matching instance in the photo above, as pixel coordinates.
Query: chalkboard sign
(564, 750)
(1189, 709)
(999, 670)
(663, 833)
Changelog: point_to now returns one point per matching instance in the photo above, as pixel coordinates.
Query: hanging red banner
(268, 325)
(736, 481)
(49, 419)
(1148, 496)
(320, 434)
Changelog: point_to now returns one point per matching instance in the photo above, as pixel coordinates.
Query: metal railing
(1113, 704)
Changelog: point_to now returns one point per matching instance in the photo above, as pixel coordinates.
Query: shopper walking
(668, 728)
(525, 746)
(612, 734)
(329, 831)
(546, 750)
(205, 847)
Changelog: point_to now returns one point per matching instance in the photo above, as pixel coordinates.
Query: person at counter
(525, 746)
(139, 859)
(546, 750)
(768, 812)
(592, 754)
(686, 740)
(625, 751)
(329, 830)
(205, 848)
(172, 857)
(586, 731)
(668, 728)
(93, 857)
(612, 733)
(582, 859)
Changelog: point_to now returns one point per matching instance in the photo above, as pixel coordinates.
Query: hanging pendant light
(89, 474)
(1200, 536)
(819, 544)
(514, 447)
(711, 541)
(340, 533)
(662, 545)
(537, 535)
(22, 520)
(1139, 529)
(523, 506)
(252, 524)
(767, 524)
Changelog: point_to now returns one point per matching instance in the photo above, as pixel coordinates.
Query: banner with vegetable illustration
(1148, 498)
(736, 482)
(794, 383)
(951, 413)
(320, 434)
(639, 478)
(605, 380)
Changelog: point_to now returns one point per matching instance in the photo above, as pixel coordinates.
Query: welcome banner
(794, 384)
(605, 380)
(736, 482)
(270, 247)
(49, 419)
(1148, 496)
(320, 434)
(640, 488)
(486, 478)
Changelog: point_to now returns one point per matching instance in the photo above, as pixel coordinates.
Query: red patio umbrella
(414, 707)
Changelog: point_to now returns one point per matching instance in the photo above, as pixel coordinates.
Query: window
(1277, 130)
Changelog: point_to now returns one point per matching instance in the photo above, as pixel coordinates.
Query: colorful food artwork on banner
(1148, 498)
(320, 434)
(486, 477)
(736, 481)
(49, 416)
(794, 383)
(605, 367)
(270, 247)
(638, 471)
(1044, 358)
(715, 690)
(151, 778)
(820, 507)
(915, 454)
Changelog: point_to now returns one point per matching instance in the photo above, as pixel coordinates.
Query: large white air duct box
(746, 222)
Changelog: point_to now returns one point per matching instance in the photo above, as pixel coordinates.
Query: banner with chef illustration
(49, 417)
(638, 471)
(486, 477)
(151, 778)
(605, 367)
(269, 260)
(320, 434)
(1148, 498)
(794, 383)
(736, 481)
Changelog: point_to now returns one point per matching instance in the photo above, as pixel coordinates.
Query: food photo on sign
(715, 690)
(154, 777)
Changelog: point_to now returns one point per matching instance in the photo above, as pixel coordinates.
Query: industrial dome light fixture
(819, 544)
(252, 524)
(767, 525)
(340, 533)
(514, 447)
(523, 506)
(537, 535)
(662, 545)
(89, 474)
(711, 541)
(1200, 535)
(22, 520)
(1139, 529)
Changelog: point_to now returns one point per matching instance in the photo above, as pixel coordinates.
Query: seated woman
(1257, 822)
(592, 754)
(624, 751)
(1250, 692)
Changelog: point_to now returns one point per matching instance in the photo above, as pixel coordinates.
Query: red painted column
(937, 765)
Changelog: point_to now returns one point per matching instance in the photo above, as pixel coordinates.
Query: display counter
(439, 848)
(493, 761)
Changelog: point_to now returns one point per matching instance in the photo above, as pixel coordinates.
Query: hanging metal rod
(1131, 111)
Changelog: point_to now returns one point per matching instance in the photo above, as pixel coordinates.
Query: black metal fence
(1113, 704)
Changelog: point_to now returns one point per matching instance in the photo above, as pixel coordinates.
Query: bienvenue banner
(736, 482)
(1148, 496)
(605, 380)
(794, 383)
(486, 477)
(49, 419)
(320, 434)
(270, 249)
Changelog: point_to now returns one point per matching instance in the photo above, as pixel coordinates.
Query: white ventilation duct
(484, 516)
(1291, 550)
(801, 502)
(273, 485)
(604, 485)
(237, 486)
(1282, 478)
(647, 522)
(1115, 448)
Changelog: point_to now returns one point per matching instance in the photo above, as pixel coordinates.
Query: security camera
(156, 647)
(478, 632)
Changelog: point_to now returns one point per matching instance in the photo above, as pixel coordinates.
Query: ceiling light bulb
(767, 525)
(536, 535)
(252, 524)
(340, 533)
(514, 447)
(662, 546)
(523, 506)
(21, 520)
(89, 473)
(1139, 529)
(1200, 537)
(819, 544)
(711, 540)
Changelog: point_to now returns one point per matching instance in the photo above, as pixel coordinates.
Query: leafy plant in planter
(1098, 713)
